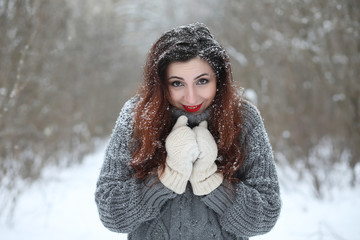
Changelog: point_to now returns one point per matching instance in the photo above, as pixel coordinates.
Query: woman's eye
(176, 84)
(202, 81)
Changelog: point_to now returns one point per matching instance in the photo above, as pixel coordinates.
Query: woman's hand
(182, 150)
(204, 178)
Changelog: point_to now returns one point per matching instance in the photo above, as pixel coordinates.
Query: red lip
(192, 109)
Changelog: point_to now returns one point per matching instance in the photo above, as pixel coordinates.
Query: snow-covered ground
(62, 207)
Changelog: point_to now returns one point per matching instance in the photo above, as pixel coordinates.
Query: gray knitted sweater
(148, 210)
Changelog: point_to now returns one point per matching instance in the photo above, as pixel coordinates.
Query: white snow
(62, 207)
(303, 217)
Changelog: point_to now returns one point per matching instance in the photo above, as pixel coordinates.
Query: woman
(188, 158)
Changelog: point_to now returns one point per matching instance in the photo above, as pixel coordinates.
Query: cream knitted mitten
(182, 150)
(204, 178)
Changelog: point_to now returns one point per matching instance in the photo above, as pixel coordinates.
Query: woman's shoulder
(252, 124)
(126, 114)
(251, 114)
(130, 104)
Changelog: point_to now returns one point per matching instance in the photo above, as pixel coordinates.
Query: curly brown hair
(152, 119)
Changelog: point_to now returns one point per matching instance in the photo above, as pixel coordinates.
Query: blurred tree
(60, 64)
(302, 59)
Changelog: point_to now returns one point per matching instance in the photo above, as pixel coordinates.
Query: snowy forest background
(67, 67)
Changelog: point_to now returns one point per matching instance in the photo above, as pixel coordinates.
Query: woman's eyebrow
(201, 75)
(176, 77)
(180, 78)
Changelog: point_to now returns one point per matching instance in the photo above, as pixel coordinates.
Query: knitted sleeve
(124, 202)
(253, 205)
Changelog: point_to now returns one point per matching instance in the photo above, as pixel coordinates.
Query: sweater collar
(193, 120)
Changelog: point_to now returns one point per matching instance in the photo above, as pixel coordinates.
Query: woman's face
(191, 84)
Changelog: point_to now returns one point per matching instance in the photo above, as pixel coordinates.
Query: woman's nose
(191, 96)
